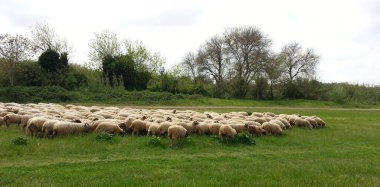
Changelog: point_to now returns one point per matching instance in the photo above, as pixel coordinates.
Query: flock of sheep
(52, 120)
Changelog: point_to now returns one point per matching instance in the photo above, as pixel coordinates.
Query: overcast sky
(346, 33)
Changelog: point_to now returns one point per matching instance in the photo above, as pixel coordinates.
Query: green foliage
(52, 61)
(104, 136)
(240, 138)
(245, 138)
(19, 141)
(29, 73)
(39, 94)
(155, 141)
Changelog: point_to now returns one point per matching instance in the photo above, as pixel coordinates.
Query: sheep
(109, 127)
(214, 128)
(252, 123)
(239, 127)
(278, 122)
(272, 128)
(256, 130)
(24, 120)
(320, 122)
(284, 121)
(226, 131)
(176, 132)
(153, 129)
(312, 121)
(257, 114)
(63, 128)
(163, 128)
(299, 122)
(47, 127)
(138, 127)
(201, 128)
(34, 125)
(259, 120)
(190, 127)
(12, 118)
(270, 114)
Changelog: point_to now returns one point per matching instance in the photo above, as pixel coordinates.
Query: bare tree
(212, 60)
(103, 44)
(248, 49)
(12, 50)
(298, 62)
(190, 66)
(44, 37)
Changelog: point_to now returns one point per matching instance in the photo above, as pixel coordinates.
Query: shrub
(240, 138)
(19, 141)
(244, 138)
(104, 136)
(155, 141)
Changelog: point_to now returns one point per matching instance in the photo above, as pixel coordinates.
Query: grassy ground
(345, 153)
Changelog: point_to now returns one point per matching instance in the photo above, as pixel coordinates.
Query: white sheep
(202, 128)
(299, 122)
(12, 118)
(34, 125)
(176, 132)
(138, 127)
(63, 128)
(272, 128)
(163, 128)
(153, 129)
(239, 127)
(47, 127)
(214, 128)
(109, 127)
(226, 131)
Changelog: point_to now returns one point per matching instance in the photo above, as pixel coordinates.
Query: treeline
(239, 63)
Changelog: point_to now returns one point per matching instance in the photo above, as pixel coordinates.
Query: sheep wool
(176, 132)
(226, 131)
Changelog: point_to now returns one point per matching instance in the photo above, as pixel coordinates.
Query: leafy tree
(52, 61)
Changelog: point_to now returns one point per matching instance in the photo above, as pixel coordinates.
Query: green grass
(345, 153)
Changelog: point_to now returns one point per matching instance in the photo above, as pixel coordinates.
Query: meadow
(344, 153)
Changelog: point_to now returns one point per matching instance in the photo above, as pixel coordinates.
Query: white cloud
(344, 32)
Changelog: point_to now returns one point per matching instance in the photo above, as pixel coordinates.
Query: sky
(345, 33)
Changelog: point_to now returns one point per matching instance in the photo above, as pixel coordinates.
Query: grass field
(345, 153)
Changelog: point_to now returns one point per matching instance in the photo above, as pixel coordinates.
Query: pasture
(345, 153)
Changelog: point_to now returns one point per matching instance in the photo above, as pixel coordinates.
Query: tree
(53, 62)
(190, 66)
(211, 59)
(298, 62)
(274, 69)
(103, 44)
(44, 37)
(248, 49)
(12, 50)
(143, 58)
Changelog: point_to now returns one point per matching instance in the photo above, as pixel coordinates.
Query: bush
(155, 141)
(240, 138)
(104, 136)
(19, 141)
(244, 138)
